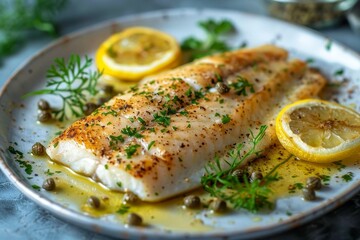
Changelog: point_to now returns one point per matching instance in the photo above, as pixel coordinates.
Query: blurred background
(27, 26)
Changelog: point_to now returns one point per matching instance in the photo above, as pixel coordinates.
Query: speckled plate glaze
(18, 116)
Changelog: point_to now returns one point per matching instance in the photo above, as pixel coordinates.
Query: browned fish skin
(168, 156)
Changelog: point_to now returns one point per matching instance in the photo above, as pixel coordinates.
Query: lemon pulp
(322, 127)
(137, 52)
(139, 49)
(319, 131)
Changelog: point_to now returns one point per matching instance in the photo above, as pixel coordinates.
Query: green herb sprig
(17, 17)
(213, 43)
(220, 182)
(73, 82)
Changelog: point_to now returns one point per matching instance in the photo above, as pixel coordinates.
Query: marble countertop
(23, 219)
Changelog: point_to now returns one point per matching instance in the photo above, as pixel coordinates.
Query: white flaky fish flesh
(156, 139)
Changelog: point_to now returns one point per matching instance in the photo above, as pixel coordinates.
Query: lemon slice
(319, 131)
(137, 52)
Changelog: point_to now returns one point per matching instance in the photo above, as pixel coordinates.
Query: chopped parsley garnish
(218, 77)
(49, 173)
(150, 145)
(128, 167)
(111, 112)
(36, 187)
(188, 92)
(339, 72)
(18, 158)
(131, 150)
(243, 45)
(134, 89)
(131, 132)
(295, 186)
(142, 121)
(162, 119)
(58, 133)
(184, 113)
(340, 165)
(225, 119)
(328, 45)
(241, 86)
(123, 209)
(347, 177)
(106, 166)
(119, 184)
(310, 60)
(114, 141)
(325, 179)
(19, 154)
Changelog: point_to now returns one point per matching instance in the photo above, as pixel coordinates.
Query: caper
(218, 205)
(309, 194)
(255, 175)
(239, 173)
(222, 87)
(44, 116)
(93, 202)
(108, 89)
(192, 201)
(134, 219)
(314, 183)
(43, 105)
(38, 149)
(49, 184)
(89, 108)
(130, 197)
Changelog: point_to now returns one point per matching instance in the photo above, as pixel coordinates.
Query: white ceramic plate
(18, 117)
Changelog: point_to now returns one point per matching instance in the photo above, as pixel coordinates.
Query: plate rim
(93, 224)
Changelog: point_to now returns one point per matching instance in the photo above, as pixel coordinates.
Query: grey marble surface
(22, 219)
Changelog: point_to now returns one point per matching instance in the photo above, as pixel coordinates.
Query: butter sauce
(74, 189)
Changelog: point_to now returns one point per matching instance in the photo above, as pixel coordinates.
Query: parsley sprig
(220, 182)
(213, 43)
(17, 17)
(73, 82)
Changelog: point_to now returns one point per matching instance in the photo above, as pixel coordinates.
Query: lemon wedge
(319, 131)
(137, 52)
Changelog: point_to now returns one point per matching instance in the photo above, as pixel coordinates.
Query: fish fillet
(156, 139)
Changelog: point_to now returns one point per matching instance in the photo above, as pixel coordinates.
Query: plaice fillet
(156, 139)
